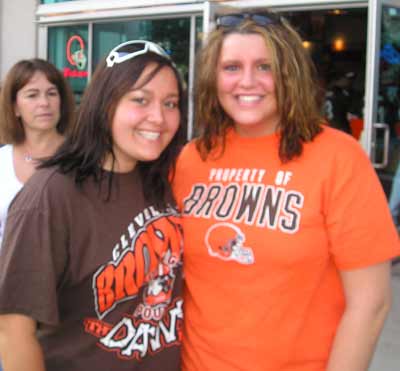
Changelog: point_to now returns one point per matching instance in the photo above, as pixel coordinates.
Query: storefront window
(67, 50)
(199, 33)
(389, 88)
(389, 104)
(172, 34)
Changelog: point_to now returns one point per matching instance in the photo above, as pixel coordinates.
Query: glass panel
(339, 54)
(198, 42)
(172, 34)
(389, 102)
(199, 33)
(67, 49)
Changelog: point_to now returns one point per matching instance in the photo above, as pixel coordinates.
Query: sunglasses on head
(235, 19)
(132, 49)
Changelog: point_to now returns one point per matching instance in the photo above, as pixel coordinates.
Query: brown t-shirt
(101, 277)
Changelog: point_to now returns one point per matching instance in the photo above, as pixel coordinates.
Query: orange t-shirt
(263, 245)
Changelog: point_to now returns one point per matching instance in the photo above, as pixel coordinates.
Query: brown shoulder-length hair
(296, 89)
(11, 129)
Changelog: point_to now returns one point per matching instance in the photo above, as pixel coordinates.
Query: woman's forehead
(238, 45)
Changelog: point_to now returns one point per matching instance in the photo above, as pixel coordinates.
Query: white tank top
(9, 184)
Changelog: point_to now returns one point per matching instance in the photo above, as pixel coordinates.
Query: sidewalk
(387, 354)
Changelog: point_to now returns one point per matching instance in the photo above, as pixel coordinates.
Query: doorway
(346, 39)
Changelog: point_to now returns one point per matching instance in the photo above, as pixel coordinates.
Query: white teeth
(249, 98)
(149, 135)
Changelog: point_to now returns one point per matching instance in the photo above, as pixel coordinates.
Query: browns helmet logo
(225, 241)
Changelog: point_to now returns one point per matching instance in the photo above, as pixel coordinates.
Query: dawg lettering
(132, 338)
(149, 261)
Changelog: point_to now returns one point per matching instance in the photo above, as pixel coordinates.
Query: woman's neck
(39, 145)
(26, 155)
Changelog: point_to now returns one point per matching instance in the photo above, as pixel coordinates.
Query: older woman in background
(36, 110)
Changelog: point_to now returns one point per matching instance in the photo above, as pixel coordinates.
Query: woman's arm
(368, 296)
(19, 347)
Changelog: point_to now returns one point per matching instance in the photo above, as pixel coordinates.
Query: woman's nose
(43, 100)
(247, 78)
(156, 113)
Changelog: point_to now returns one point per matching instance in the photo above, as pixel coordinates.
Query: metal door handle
(386, 139)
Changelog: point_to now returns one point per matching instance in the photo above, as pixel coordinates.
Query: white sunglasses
(143, 47)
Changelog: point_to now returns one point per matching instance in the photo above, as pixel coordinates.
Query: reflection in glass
(172, 34)
(68, 51)
(339, 55)
(389, 101)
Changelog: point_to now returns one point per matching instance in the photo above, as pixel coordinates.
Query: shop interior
(337, 40)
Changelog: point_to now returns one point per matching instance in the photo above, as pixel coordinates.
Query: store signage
(77, 58)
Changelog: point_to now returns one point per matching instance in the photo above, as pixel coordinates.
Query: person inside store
(342, 103)
(389, 112)
(36, 111)
(90, 269)
(394, 197)
(288, 237)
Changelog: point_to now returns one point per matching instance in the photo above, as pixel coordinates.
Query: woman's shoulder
(44, 184)
(188, 160)
(334, 136)
(47, 177)
(5, 147)
(6, 159)
(5, 151)
(334, 152)
(337, 143)
(189, 149)
(188, 154)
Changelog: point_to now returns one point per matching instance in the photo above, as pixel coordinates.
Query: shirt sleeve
(33, 257)
(360, 229)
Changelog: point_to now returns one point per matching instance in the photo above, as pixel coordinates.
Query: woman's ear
(16, 111)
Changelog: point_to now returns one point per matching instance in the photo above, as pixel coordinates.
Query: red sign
(77, 58)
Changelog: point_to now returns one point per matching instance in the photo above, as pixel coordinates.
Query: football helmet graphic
(225, 241)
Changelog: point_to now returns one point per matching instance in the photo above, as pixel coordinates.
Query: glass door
(339, 53)
(382, 98)
(370, 58)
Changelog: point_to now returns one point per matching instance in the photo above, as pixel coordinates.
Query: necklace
(28, 158)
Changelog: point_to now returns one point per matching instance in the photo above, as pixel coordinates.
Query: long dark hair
(85, 150)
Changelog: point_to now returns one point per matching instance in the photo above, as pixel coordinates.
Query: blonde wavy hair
(296, 89)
